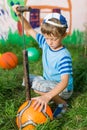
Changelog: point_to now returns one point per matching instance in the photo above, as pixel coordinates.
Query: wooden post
(26, 74)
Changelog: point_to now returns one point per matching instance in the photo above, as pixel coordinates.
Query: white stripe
(55, 24)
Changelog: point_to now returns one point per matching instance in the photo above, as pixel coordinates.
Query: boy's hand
(41, 102)
(14, 7)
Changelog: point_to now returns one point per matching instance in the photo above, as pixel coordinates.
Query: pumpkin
(8, 60)
(27, 118)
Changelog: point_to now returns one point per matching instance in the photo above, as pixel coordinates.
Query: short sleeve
(65, 66)
(40, 39)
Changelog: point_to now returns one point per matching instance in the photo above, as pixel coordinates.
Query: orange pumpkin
(8, 60)
(28, 118)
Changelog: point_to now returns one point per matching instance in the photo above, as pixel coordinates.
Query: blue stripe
(65, 67)
(38, 37)
(65, 63)
(66, 57)
(43, 40)
(67, 72)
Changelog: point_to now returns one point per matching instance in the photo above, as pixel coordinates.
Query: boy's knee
(38, 92)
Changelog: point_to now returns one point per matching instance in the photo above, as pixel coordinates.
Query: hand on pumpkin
(41, 102)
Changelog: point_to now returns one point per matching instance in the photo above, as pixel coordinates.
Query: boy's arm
(59, 87)
(27, 27)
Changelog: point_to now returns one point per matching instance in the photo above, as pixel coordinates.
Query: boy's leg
(38, 92)
(58, 100)
(61, 101)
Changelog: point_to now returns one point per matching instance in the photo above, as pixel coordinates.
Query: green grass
(12, 93)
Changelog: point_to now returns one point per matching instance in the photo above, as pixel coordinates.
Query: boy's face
(53, 42)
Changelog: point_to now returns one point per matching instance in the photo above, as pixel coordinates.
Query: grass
(12, 93)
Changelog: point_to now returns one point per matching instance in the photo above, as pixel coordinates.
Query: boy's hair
(54, 24)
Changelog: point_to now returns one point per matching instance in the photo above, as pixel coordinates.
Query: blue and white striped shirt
(55, 63)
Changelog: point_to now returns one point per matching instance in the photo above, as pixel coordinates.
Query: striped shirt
(55, 63)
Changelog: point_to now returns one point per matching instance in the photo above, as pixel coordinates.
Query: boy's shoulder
(64, 52)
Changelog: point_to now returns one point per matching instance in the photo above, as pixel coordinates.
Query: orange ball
(8, 60)
(28, 118)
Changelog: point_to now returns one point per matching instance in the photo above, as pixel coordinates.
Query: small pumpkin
(8, 60)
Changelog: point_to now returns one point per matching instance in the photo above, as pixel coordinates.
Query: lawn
(12, 93)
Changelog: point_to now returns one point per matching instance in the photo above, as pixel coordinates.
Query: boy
(57, 81)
